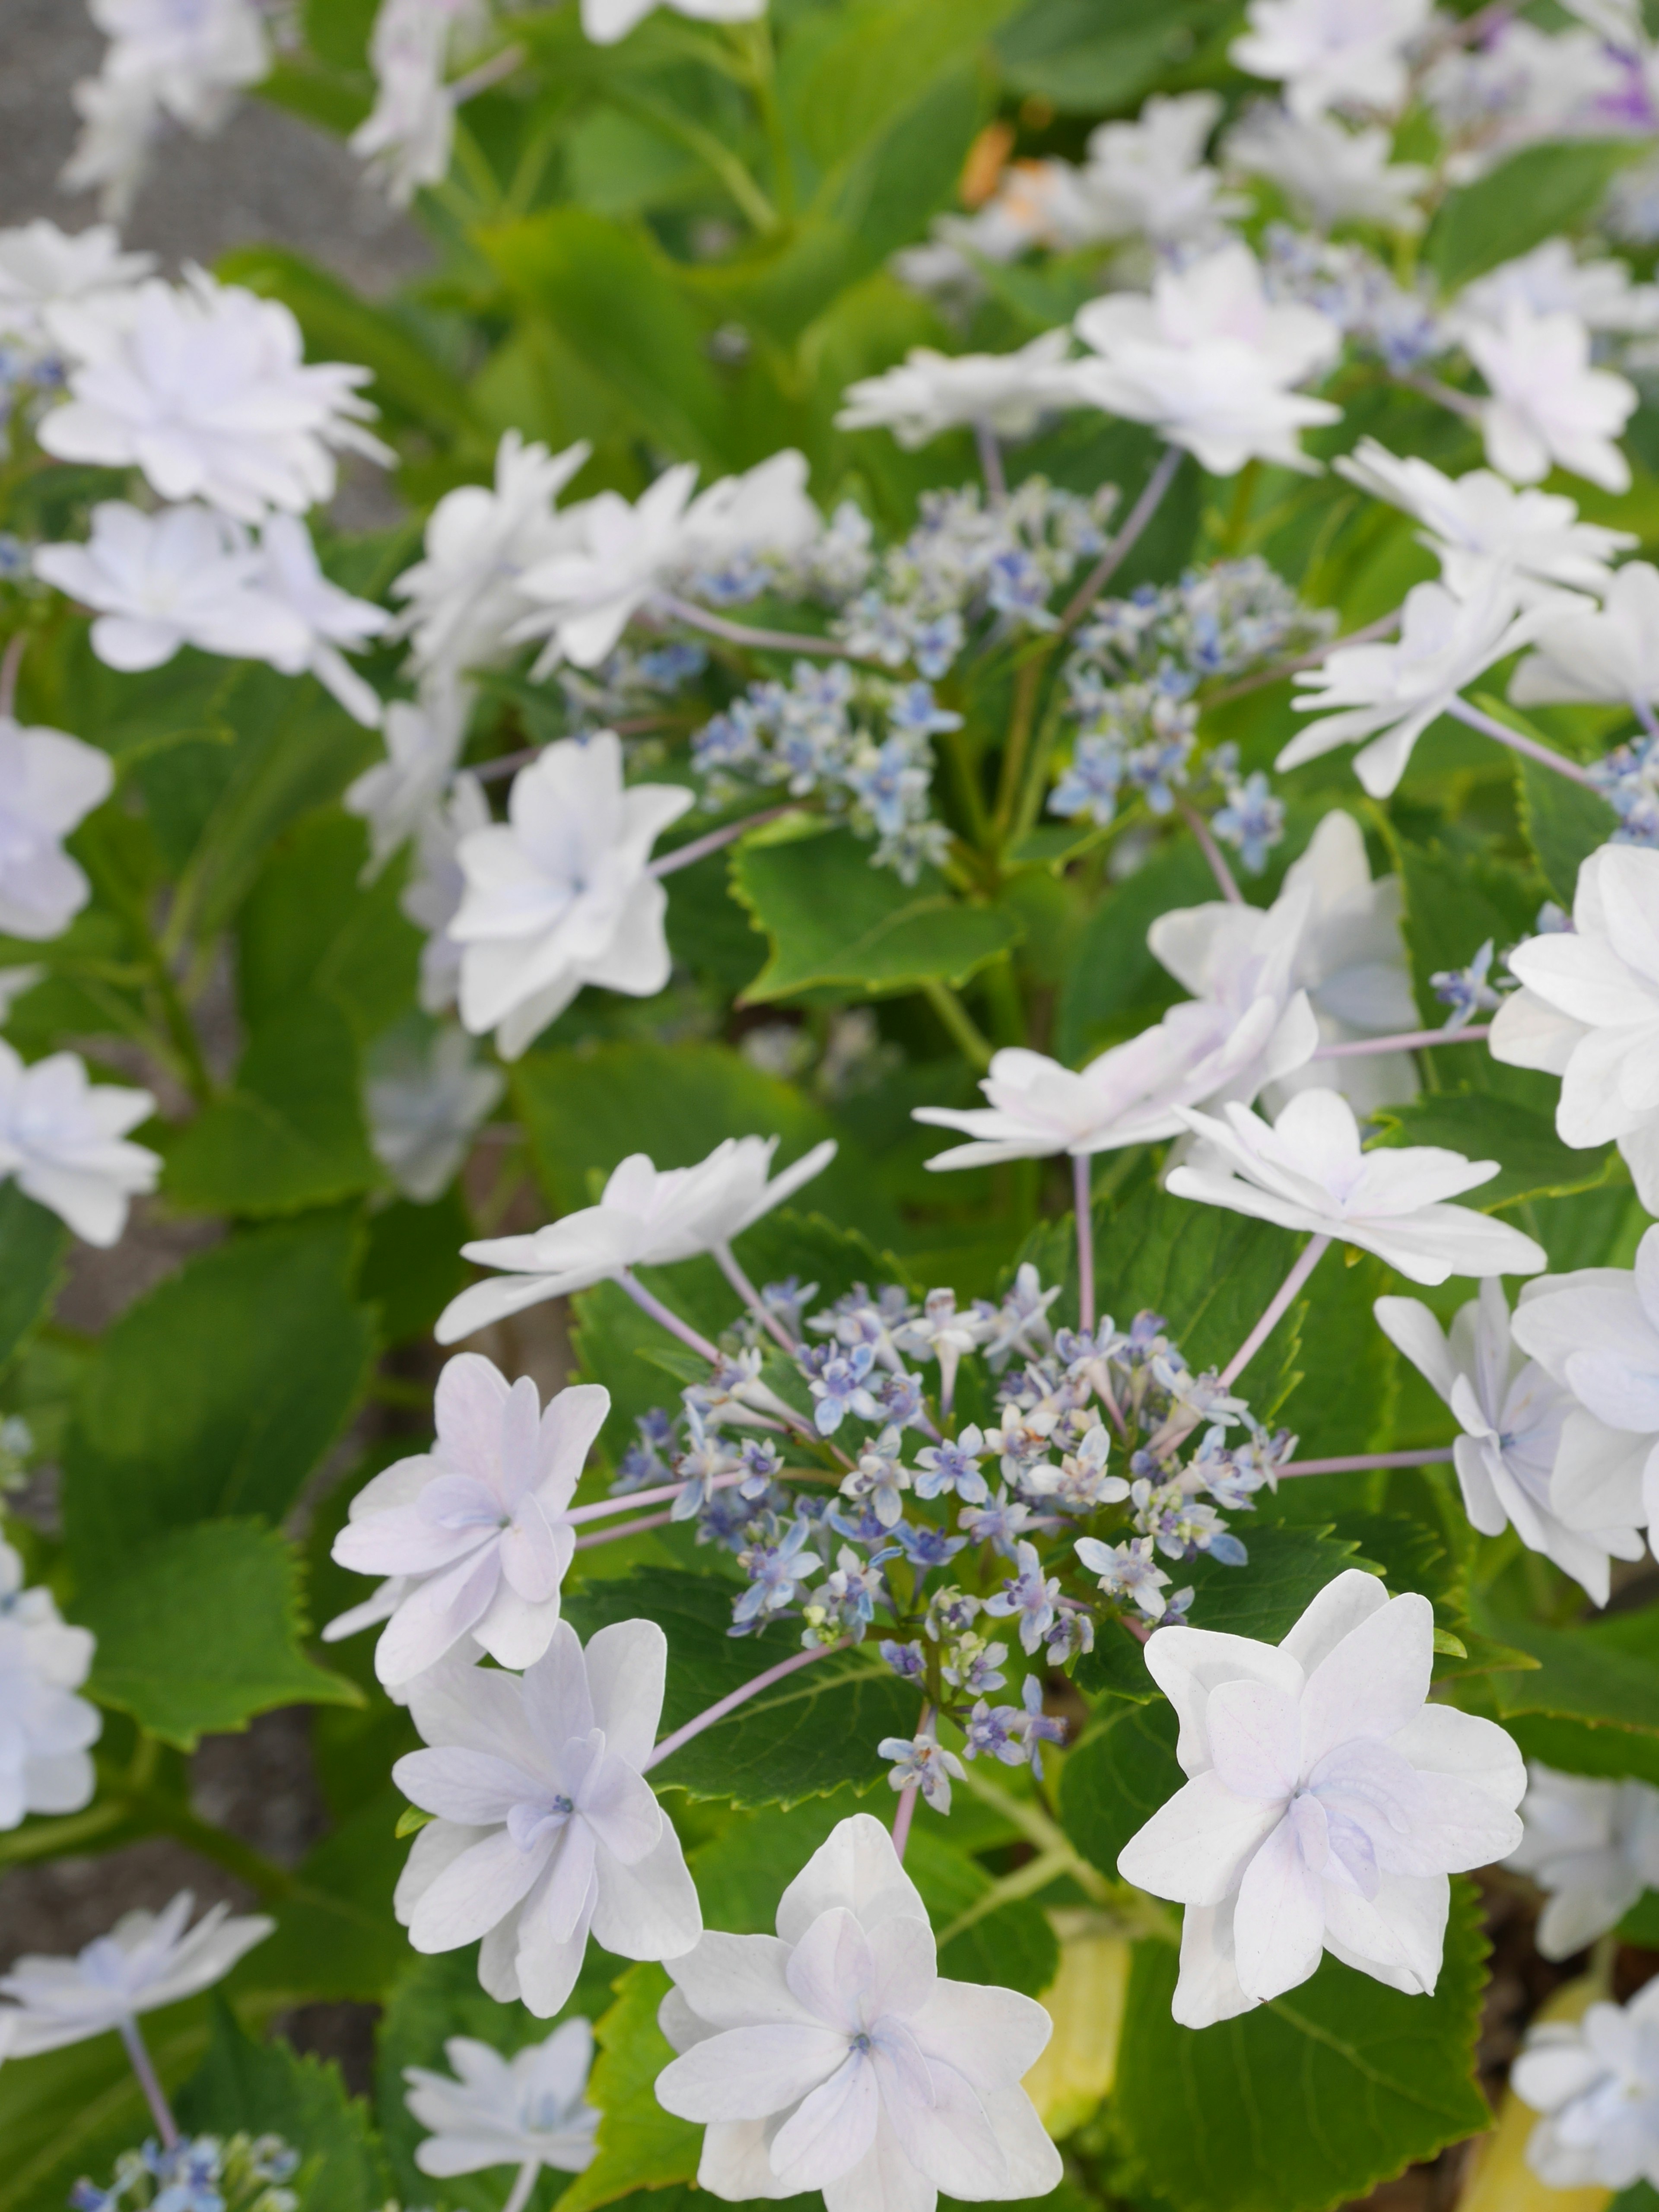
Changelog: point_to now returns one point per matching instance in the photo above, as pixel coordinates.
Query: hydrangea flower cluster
(200, 2173)
(1017, 1527)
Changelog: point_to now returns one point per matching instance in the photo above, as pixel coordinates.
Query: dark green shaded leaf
(1116, 1779)
(310, 926)
(412, 1265)
(1288, 1568)
(810, 1733)
(1013, 1947)
(1113, 981)
(1605, 1673)
(1532, 1161)
(33, 1246)
(1087, 55)
(1565, 824)
(336, 1937)
(1534, 194)
(640, 2145)
(831, 918)
(1309, 2100)
(218, 1392)
(201, 1629)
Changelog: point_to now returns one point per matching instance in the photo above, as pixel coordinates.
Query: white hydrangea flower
(1549, 407)
(431, 897)
(335, 623)
(61, 1138)
(1210, 362)
(1596, 2080)
(1391, 693)
(49, 783)
(624, 556)
(44, 1729)
(1308, 1172)
(1596, 1333)
(833, 2057)
(205, 387)
(121, 122)
(1592, 1846)
(464, 594)
(1550, 280)
(930, 392)
(472, 1534)
(425, 1107)
(1587, 1010)
(647, 1217)
(546, 1828)
(43, 267)
(529, 2110)
(147, 1961)
(424, 740)
(183, 61)
(1329, 53)
(1329, 173)
(561, 893)
(1327, 1802)
(1478, 526)
(1148, 178)
(408, 135)
(1511, 1414)
(1609, 652)
(156, 583)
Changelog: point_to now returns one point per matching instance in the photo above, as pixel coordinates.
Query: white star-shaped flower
(529, 2110)
(49, 783)
(1596, 2080)
(1327, 1802)
(931, 393)
(425, 1106)
(1549, 407)
(607, 20)
(1592, 1846)
(1330, 53)
(1329, 174)
(43, 267)
(62, 1138)
(45, 1730)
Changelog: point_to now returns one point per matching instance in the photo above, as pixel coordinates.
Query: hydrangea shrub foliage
(865, 1147)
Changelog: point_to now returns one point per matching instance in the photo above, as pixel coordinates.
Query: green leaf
(268, 2088)
(290, 1134)
(33, 1246)
(74, 2112)
(807, 1734)
(846, 75)
(310, 926)
(1532, 1161)
(201, 1629)
(1605, 1672)
(340, 325)
(1289, 1566)
(1536, 193)
(218, 1392)
(412, 1265)
(1113, 982)
(640, 2145)
(1014, 1948)
(1565, 823)
(1084, 56)
(614, 299)
(1116, 1778)
(336, 1938)
(832, 918)
(1209, 1272)
(1309, 2100)
(1454, 902)
(586, 1111)
(1577, 1747)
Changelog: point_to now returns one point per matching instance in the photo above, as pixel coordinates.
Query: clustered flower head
(46, 1730)
(198, 2173)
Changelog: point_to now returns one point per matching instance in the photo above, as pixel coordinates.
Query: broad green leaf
(32, 1246)
(73, 2112)
(1117, 1778)
(1289, 1566)
(832, 918)
(1310, 2099)
(200, 1630)
(1577, 1747)
(218, 1392)
(340, 325)
(1086, 55)
(1532, 1161)
(268, 2088)
(586, 1111)
(1209, 1271)
(1113, 983)
(412, 1265)
(640, 2145)
(1454, 902)
(847, 72)
(615, 301)
(808, 1734)
(310, 926)
(336, 1937)
(1013, 1947)
(134, 715)
(1565, 823)
(1536, 193)
(1605, 1673)
(290, 1134)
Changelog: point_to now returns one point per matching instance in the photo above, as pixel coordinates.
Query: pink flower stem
(990, 464)
(1140, 1630)
(664, 1494)
(1367, 634)
(1489, 726)
(685, 856)
(672, 1321)
(149, 2082)
(907, 1803)
(621, 1528)
(1212, 851)
(494, 72)
(1083, 1202)
(764, 641)
(1365, 1461)
(731, 1268)
(734, 1699)
(16, 646)
(1407, 1041)
(524, 2186)
(1117, 552)
(1312, 1253)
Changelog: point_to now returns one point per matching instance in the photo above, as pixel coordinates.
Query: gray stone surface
(267, 177)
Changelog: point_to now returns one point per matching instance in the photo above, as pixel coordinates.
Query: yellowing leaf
(1086, 2004)
(1499, 2178)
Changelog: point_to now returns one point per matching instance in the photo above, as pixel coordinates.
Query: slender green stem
(50, 1839)
(720, 160)
(272, 1882)
(475, 162)
(1033, 1823)
(1002, 994)
(761, 59)
(971, 1039)
(1028, 688)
